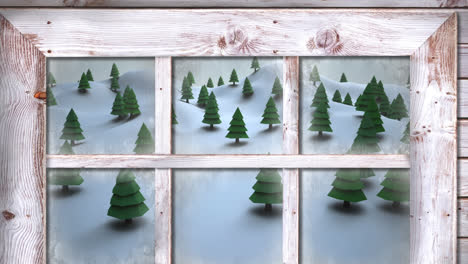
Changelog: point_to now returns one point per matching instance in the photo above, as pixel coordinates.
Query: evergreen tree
(131, 103)
(203, 96)
(84, 84)
(115, 86)
(358, 100)
(343, 78)
(347, 100)
(211, 116)
(255, 64)
(348, 187)
(114, 72)
(396, 186)
(50, 97)
(366, 140)
(220, 81)
(237, 127)
(398, 108)
(127, 202)
(381, 92)
(174, 116)
(190, 78)
(247, 89)
(277, 87)
(118, 108)
(210, 84)
(72, 129)
(373, 113)
(186, 90)
(337, 97)
(384, 105)
(321, 121)
(145, 142)
(233, 77)
(270, 115)
(314, 75)
(51, 80)
(405, 139)
(364, 100)
(89, 75)
(320, 96)
(268, 189)
(65, 177)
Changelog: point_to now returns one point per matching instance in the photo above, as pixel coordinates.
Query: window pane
(88, 214)
(100, 105)
(219, 218)
(227, 105)
(354, 105)
(355, 216)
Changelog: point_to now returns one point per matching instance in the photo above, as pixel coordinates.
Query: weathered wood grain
(463, 60)
(22, 144)
(462, 250)
(462, 98)
(218, 32)
(463, 217)
(463, 138)
(433, 128)
(462, 177)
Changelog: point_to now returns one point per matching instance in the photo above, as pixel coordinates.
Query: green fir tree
(65, 177)
(220, 81)
(211, 116)
(343, 78)
(145, 142)
(314, 75)
(89, 75)
(72, 129)
(114, 71)
(210, 84)
(186, 90)
(320, 96)
(268, 189)
(84, 84)
(115, 86)
(50, 97)
(373, 113)
(366, 140)
(255, 64)
(174, 116)
(203, 96)
(396, 186)
(365, 98)
(233, 79)
(237, 127)
(384, 106)
(270, 115)
(348, 100)
(406, 135)
(337, 97)
(347, 187)
(247, 89)
(118, 108)
(131, 103)
(321, 119)
(277, 87)
(190, 78)
(398, 108)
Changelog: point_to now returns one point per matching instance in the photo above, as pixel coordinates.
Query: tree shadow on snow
(209, 129)
(387, 207)
(368, 183)
(58, 193)
(355, 209)
(259, 211)
(238, 144)
(268, 131)
(121, 226)
(323, 137)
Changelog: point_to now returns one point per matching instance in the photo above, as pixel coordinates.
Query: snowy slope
(103, 133)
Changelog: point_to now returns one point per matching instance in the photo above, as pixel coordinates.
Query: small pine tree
(348, 187)
(365, 98)
(314, 75)
(237, 127)
(145, 142)
(337, 97)
(343, 78)
(396, 186)
(373, 113)
(65, 177)
(347, 100)
(72, 128)
(186, 90)
(118, 108)
(358, 100)
(321, 119)
(381, 92)
(50, 97)
(89, 75)
(255, 64)
(384, 106)
(320, 96)
(84, 84)
(51, 80)
(203, 96)
(366, 140)
(398, 108)
(405, 139)
(174, 116)
(131, 103)
(127, 202)
(115, 86)
(114, 71)
(233, 77)
(210, 84)
(268, 189)
(211, 116)
(247, 89)
(277, 87)
(190, 78)
(220, 81)
(270, 115)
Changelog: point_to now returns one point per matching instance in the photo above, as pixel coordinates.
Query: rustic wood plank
(462, 250)
(163, 196)
(22, 144)
(462, 177)
(463, 217)
(291, 103)
(463, 138)
(238, 3)
(227, 161)
(463, 60)
(433, 128)
(463, 98)
(215, 32)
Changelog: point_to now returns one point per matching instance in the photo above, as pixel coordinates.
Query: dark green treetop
(186, 90)
(255, 64)
(277, 87)
(127, 202)
(373, 80)
(320, 96)
(247, 89)
(211, 116)
(396, 186)
(268, 189)
(84, 84)
(115, 86)
(233, 77)
(115, 71)
(405, 139)
(348, 100)
(270, 115)
(50, 97)
(314, 75)
(321, 119)
(358, 100)
(398, 108)
(210, 84)
(237, 127)
(131, 103)
(190, 78)
(144, 142)
(72, 129)
(384, 106)
(337, 97)
(118, 108)
(373, 113)
(89, 75)
(343, 78)
(51, 80)
(366, 140)
(348, 186)
(363, 101)
(174, 116)
(203, 96)
(220, 81)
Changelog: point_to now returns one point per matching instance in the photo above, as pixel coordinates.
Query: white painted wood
(463, 60)
(463, 98)
(462, 177)
(291, 146)
(463, 138)
(235, 32)
(463, 217)
(22, 148)
(163, 95)
(432, 146)
(462, 250)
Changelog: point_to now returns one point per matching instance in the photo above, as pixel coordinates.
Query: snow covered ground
(79, 230)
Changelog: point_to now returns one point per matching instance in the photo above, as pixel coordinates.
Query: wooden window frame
(29, 36)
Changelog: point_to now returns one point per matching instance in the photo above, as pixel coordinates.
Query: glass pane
(227, 216)
(101, 105)
(227, 105)
(100, 216)
(355, 216)
(354, 105)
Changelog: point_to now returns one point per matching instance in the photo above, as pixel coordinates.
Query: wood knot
(48, 22)
(8, 215)
(40, 95)
(222, 42)
(327, 38)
